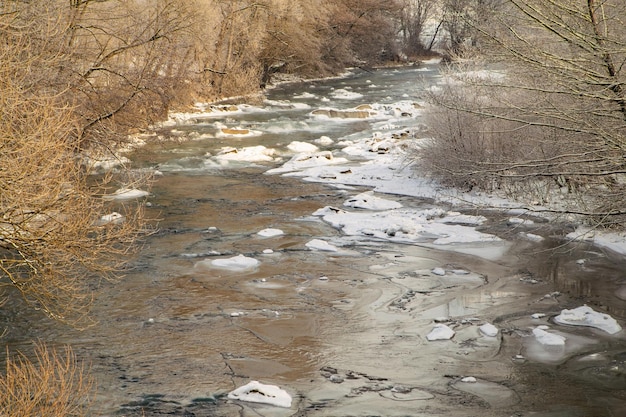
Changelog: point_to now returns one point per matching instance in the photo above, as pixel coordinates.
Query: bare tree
(116, 63)
(460, 20)
(414, 21)
(54, 242)
(362, 32)
(560, 99)
(293, 40)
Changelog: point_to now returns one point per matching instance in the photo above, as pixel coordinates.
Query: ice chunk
(344, 94)
(548, 339)
(440, 332)
(324, 140)
(113, 218)
(256, 392)
(318, 244)
(236, 263)
(270, 232)
(126, 194)
(439, 271)
(368, 200)
(302, 147)
(249, 154)
(586, 316)
(488, 329)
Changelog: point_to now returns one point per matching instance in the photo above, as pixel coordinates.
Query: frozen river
(301, 247)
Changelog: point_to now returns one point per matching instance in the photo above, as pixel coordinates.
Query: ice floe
(344, 94)
(270, 232)
(235, 263)
(112, 218)
(305, 160)
(586, 316)
(302, 147)
(126, 194)
(403, 225)
(368, 200)
(489, 330)
(257, 392)
(548, 339)
(321, 245)
(440, 332)
(249, 154)
(438, 271)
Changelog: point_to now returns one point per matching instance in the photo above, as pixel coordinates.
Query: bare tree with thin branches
(556, 110)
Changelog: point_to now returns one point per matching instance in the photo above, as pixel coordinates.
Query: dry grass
(52, 385)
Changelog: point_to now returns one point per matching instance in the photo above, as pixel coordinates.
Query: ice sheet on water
(402, 225)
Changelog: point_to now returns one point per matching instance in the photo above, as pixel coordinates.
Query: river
(341, 328)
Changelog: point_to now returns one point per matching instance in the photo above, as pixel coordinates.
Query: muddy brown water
(343, 333)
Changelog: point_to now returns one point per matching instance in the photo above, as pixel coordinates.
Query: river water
(342, 332)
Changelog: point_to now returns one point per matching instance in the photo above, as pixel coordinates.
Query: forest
(82, 75)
